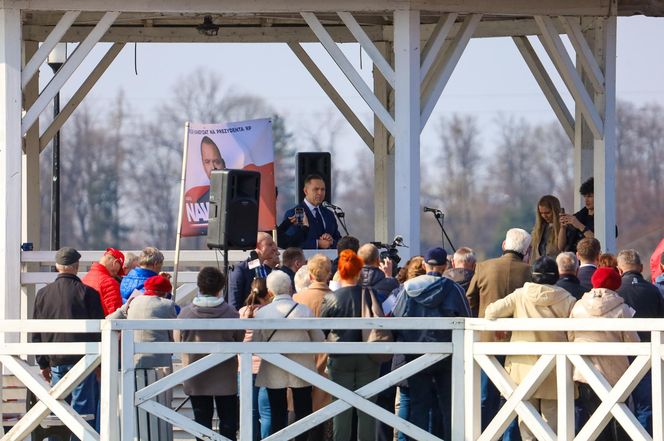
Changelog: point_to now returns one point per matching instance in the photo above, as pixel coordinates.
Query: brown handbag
(372, 308)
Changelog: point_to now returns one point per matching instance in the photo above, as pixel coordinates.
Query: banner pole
(178, 236)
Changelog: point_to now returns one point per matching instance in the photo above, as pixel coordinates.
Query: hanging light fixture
(208, 27)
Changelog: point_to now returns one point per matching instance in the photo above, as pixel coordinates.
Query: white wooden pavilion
(414, 46)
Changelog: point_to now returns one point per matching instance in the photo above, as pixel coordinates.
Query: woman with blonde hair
(547, 228)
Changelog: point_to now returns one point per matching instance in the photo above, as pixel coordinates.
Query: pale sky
(491, 78)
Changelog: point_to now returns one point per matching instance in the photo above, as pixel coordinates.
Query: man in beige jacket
(493, 280)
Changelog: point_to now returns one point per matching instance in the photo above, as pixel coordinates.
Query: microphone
(431, 210)
(326, 204)
(255, 261)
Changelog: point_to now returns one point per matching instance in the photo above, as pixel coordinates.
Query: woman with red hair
(351, 371)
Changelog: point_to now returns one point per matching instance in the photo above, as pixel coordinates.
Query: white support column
(31, 200)
(605, 147)
(383, 158)
(407, 131)
(10, 163)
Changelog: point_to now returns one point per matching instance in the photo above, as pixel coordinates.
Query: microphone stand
(341, 217)
(440, 218)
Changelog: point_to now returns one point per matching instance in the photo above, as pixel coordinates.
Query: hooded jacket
(134, 280)
(430, 295)
(533, 301)
(374, 278)
(603, 303)
(222, 378)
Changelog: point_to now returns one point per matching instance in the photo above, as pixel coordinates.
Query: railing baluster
(128, 386)
(109, 384)
(657, 386)
(246, 398)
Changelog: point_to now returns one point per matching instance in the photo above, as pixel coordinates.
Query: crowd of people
(558, 271)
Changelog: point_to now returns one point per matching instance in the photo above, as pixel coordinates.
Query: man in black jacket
(244, 272)
(377, 276)
(567, 268)
(646, 300)
(68, 298)
(587, 252)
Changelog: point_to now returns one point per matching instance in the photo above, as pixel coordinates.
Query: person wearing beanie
(155, 303)
(540, 298)
(351, 371)
(431, 295)
(603, 302)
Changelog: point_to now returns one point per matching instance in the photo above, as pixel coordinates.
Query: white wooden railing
(469, 356)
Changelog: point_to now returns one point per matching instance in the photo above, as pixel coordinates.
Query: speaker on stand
(233, 212)
(313, 163)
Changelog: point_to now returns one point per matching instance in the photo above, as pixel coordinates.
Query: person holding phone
(547, 228)
(318, 228)
(581, 224)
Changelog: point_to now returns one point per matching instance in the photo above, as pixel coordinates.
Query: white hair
(278, 282)
(464, 255)
(302, 279)
(567, 263)
(517, 240)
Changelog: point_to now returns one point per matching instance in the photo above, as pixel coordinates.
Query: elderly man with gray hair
(463, 267)
(275, 379)
(646, 300)
(493, 280)
(150, 262)
(568, 265)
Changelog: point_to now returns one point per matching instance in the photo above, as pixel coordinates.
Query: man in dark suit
(568, 265)
(587, 251)
(646, 300)
(243, 274)
(322, 232)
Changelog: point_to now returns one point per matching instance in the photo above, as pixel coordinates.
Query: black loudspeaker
(313, 163)
(233, 218)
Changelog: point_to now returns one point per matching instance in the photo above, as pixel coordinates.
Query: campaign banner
(239, 145)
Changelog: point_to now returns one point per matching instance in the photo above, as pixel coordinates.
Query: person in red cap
(101, 278)
(603, 302)
(155, 303)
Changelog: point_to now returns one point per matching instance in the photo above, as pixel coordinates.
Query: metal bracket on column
(80, 94)
(32, 66)
(434, 46)
(332, 93)
(349, 71)
(544, 80)
(583, 51)
(443, 71)
(67, 69)
(561, 59)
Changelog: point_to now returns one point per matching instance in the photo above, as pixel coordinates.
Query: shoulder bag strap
(286, 316)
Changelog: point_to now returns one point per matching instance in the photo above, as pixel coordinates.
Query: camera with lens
(391, 252)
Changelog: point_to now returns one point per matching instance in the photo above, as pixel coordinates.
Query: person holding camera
(322, 231)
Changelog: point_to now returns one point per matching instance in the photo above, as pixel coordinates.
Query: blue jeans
(642, 397)
(491, 404)
(84, 399)
(404, 409)
(439, 380)
(264, 412)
